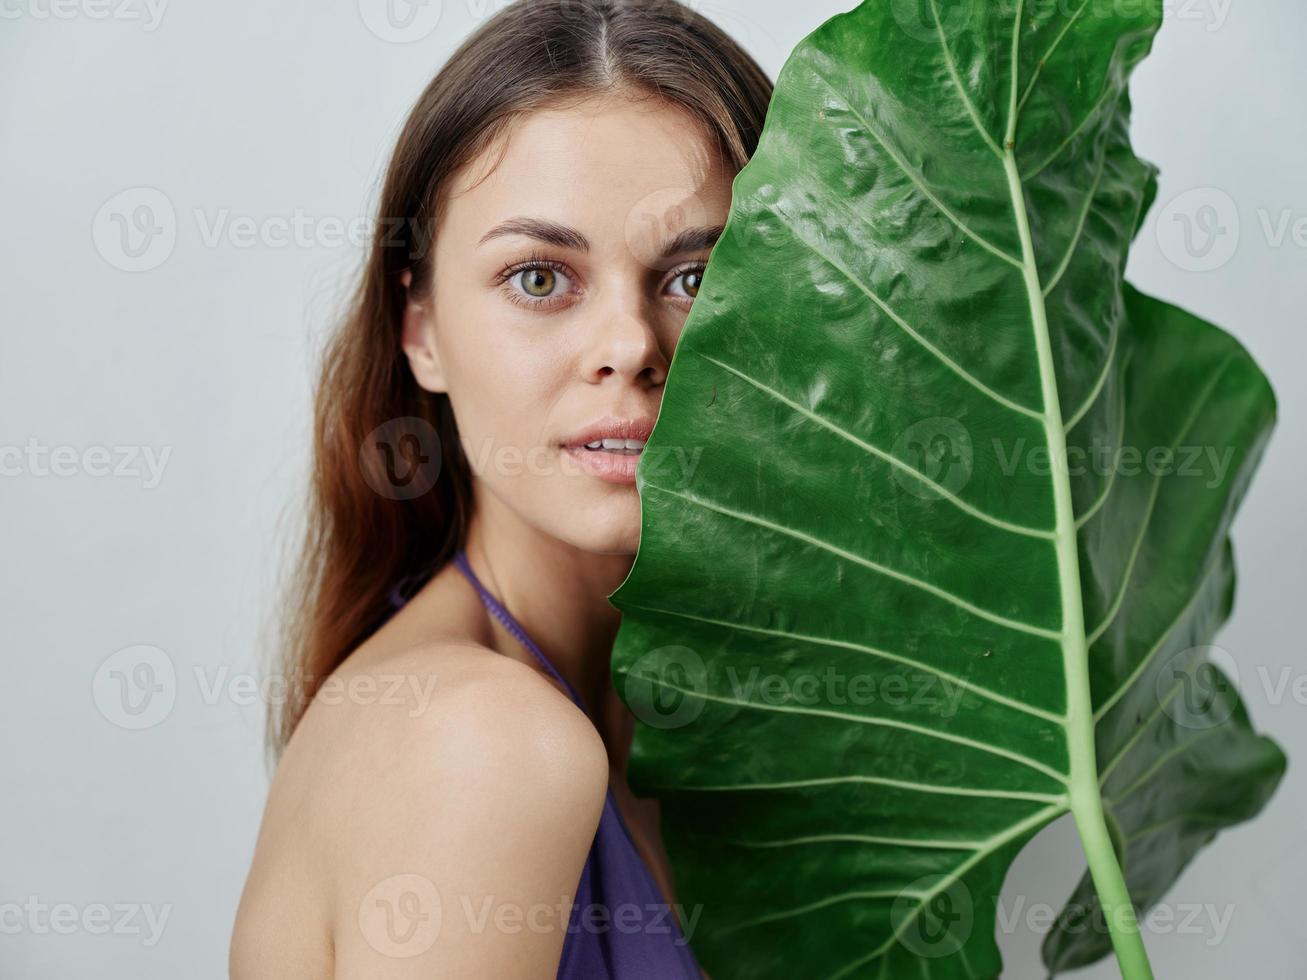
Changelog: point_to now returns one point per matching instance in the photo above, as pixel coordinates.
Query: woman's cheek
(513, 414)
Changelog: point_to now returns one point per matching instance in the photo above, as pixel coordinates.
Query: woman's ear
(419, 339)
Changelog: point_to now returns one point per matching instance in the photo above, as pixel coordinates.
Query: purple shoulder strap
(504, 616)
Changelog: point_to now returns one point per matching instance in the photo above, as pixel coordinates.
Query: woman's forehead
(600, 157)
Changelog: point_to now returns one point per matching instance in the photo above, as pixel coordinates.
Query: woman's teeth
(627, 447)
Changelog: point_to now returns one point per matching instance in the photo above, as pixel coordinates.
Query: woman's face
(563, 275)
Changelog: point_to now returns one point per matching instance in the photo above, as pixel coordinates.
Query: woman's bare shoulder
(446, 774)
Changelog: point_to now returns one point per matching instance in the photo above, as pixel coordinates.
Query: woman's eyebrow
(552, 233)
(693, 240)
(538, 228)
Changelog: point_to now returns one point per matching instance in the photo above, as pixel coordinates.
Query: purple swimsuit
(621, 928)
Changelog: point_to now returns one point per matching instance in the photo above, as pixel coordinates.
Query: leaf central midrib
(1085, 797)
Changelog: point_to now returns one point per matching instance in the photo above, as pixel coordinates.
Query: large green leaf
(919, 598)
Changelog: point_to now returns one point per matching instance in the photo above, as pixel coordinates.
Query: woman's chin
(608, 526)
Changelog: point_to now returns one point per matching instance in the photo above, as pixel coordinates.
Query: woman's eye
(690, 281)
(539, 282)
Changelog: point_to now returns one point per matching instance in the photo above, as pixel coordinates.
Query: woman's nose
(625, 342)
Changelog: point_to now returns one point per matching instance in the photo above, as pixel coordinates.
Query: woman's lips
(614, 467)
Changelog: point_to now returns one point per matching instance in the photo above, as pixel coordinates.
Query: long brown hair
(360, 541)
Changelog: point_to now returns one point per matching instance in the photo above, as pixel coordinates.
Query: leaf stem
(1113, 895)
(1086, 801)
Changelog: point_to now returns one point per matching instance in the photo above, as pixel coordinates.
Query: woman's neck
(558, 593)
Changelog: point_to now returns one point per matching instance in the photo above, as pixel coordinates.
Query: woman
(453, 802)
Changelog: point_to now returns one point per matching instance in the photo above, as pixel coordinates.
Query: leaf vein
(945, 676)
(1039, 67)
(995, 750)
(907, 328)
(1154, 493)
(917, 179)
(947, 881)
(907, 842)
(944, 492)
(927, 587)
(929, 788)
(952, 66)
(1078, 235)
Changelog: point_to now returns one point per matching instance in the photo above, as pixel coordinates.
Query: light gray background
(242, 114)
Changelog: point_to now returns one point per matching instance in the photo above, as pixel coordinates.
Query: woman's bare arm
(442, 836)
